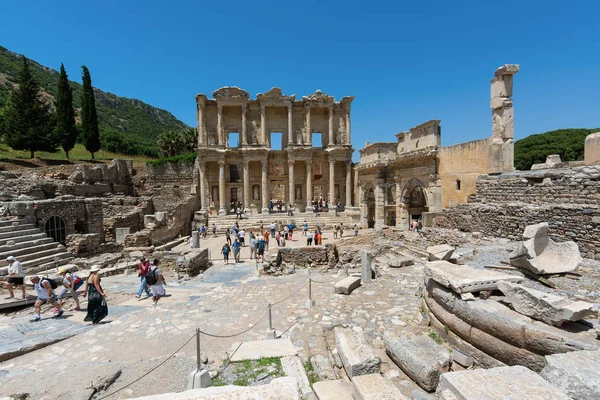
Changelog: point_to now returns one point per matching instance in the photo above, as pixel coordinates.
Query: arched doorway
(56, 228)
(370, 205)
(414, 198)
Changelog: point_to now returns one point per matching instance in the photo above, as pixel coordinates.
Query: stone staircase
(32, 247)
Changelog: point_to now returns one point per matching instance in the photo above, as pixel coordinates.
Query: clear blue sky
(406, 62)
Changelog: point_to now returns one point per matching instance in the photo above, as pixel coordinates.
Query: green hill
(140, 122)
(568, 143)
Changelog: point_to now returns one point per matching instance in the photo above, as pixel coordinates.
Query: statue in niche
(215, 195)
(255, 192)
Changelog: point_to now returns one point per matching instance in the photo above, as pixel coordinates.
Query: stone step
(20, 227)
(49, 267)
(10, 222)
(18, 249)
(25, 238)
(375, 387)
(46, 260)
(333, 390)
(355, 353)
(18, 233)
(34, 255)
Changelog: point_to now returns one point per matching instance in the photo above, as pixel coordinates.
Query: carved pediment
(318, 98)
(275, 96)
(230, 93)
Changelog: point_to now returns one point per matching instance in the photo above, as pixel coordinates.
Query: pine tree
(28, 122)
(65, 114)
(89, 118)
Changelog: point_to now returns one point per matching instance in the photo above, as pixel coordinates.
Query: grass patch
(436, 338)
(310, 373)
(247, 373)
(184, 158)
(77, 153)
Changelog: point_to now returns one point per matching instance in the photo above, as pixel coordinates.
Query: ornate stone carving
(275, 96)
(319, 99)
(231, 93)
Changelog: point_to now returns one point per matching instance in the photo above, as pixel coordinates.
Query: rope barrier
(288, 328)
(237, 334)
(327, 281)
(296, 292)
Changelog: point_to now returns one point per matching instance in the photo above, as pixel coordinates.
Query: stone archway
(414, 201)
(368, 205)
(56, 228)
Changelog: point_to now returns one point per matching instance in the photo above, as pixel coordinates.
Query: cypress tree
(28, 122)
(89, 118)
(65, 114)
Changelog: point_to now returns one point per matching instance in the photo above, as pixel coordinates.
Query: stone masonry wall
(182, 171)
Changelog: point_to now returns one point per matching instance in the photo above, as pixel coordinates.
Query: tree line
(28, 123)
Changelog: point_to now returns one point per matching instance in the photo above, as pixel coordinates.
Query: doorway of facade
(55, 228)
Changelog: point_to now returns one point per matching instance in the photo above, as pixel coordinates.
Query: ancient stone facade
(252, 171)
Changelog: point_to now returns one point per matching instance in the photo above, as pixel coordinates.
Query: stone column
(263, 125)
(290, 128)
(309, 192)
(379, 206)
(401, 211)
(348, 184)
(331, 141)
(220, 124)
(503, 130)
(331, 182)
(222, 205)
(244, 128)
(201, 125)
(264, 188)
(348, 141)
(292, 194)
(308, 139)
(202, 177)
(246, 178)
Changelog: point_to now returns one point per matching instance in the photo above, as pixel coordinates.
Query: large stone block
(465, 279)
(355, 353)
(503, 122)
(333, 390)
(592, 149)
(422, 359)
(546, 307)
(375, 387)
(576, 373)
(501, 86)
(400, 262)
(507, 69)
(536, 231)
(497, 383)
(347, 285)
(440, 252)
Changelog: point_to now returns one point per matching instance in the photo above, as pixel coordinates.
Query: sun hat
(95, 268)
(62, 270)
(10, 258)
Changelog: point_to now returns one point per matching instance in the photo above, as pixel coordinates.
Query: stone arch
(411, 185)
(56, 228)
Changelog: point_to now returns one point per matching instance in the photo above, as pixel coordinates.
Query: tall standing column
(290, 132)
(308, 139)
(292, 194)
(379, 206)
(331, 182)
(348, 184)
(246, 187)
(348, 141)
(220, 124)
(331, 141)
(309, 192)
(222, 205)
(263, 125)
(264, 188)
(201, 125)
(202, 177)
(244, 128)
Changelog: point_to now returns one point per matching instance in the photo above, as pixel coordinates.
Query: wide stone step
(375, 387)
(50, 267)
(44, 260)
(34, 255)
(16, 228)
(18, 250)
(25, 238)
(357, 356)
(18, 233)
(10, 222)
(333, 390)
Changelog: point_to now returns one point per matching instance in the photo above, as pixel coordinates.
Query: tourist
(272, 227)
(235, 229)
(97, 308)
(271, 205)
(320, 237)
(304, 228)
(309, 238)
(355, 230)
(336, 229)
(156, 280)
(286, 231)
(242, 236)
(143, 268)
(261, 226)
(277, 236)
(290, 210)
(291, 230)
(337, 209)
(71, 283)
(414, 225)
(341, 230)
(44, 289)
(316, 237)
(228, 236)
(214, 229)
(266, 237)
(419, 225)
(236, 250)
(15, 277)
(253, 246)
(225, 251)
(203, 231)
(238, 213)
(281, 240)
(260, 246)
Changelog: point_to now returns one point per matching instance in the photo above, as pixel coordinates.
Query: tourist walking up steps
(144, 267)
(214, 229)
(305, 228)
(71, 283)
(15, 277)
(156, 280)
(44, 289)
(260, 246)
(97, 309)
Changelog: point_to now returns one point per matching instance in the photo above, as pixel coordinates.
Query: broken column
(503, 123)
(592, 149)
(366, 266)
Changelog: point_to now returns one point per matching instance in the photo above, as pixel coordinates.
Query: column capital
(289, 107)
(307, 108)
(309, 162)
(262, 108)
(201, 164)
(219, 107)
(332, 161)
(291, 161)
(246, 163)
(330, 108)
(244, 107)
(221, 162)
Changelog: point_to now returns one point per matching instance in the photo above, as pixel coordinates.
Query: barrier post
(310, 303)
(199, 378)
(271, 332)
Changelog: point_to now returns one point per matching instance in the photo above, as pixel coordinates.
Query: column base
(199, 379)
(271, 334)
(265, 211)
(222, 212)
(247, 211)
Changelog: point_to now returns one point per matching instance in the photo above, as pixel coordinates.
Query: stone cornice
(274, 97)
(318, 99)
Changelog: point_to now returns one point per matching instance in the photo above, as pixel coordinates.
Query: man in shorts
(45, 293)
(15, 277)
(236, 250)
(260, 246)
(157, 289)
(253, 246)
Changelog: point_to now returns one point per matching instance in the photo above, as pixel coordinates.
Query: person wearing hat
(97, 308)
(15, 277)
(71, 283)
(143, 267)
(45, 293)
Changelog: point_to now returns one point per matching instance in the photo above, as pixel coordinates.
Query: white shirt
(309, 235)
(241, 234)
(272, 226)
(16, 268)
(42, 292)
(157, 274)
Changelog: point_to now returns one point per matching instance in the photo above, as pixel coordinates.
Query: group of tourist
(258, 243)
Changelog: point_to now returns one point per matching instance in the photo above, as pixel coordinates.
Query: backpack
(52, 282)
(151, 278)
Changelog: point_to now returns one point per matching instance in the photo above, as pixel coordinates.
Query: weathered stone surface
(546, 307)
(465, 279)
(285, 388)
(420, 358)
(536, 231)
(497, 383)
(257, 349)
(347, 285)
(462, 358)
(333, 390)
(323, 368)
(576, 373)
(440, 252)
(375, 387)
(292, 366)
(592, 149)
(507, 69)
(400, 262)
(357, 356)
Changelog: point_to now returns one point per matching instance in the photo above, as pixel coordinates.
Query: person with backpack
(236, 250)
(44, 288)
(305, 228)
(71, 283)
(97, 309)
(156, 280)
(225, 251)
(143, 267)
(260, 247)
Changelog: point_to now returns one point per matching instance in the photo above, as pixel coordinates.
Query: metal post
(309, 288)
(270, 318)
(198, 348)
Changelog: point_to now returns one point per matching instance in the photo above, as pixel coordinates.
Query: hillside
(141, 122)
(568, 143)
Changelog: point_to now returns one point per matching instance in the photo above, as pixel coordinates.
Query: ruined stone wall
(462, 163)
(80, 215)
(303, 256)
(182, 172)
(125, 212)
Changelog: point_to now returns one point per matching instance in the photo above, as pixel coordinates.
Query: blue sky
(406, 62)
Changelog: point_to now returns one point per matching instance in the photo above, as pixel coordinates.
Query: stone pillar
(264, 188)
(591, 152)
(348, 184)
(202, 177)
(366, 273)
(201, 125)
(401, 212)
(292, 194)
(246, 178)
(348, 140)
(220, 124)
(308, 139)
(195, 240)
(222, 205)
(503, 123)
(331, 141)
(331, 182)
(263, 125)
(290, 128)
(309, 192)
(379, 206)
(244, 127)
